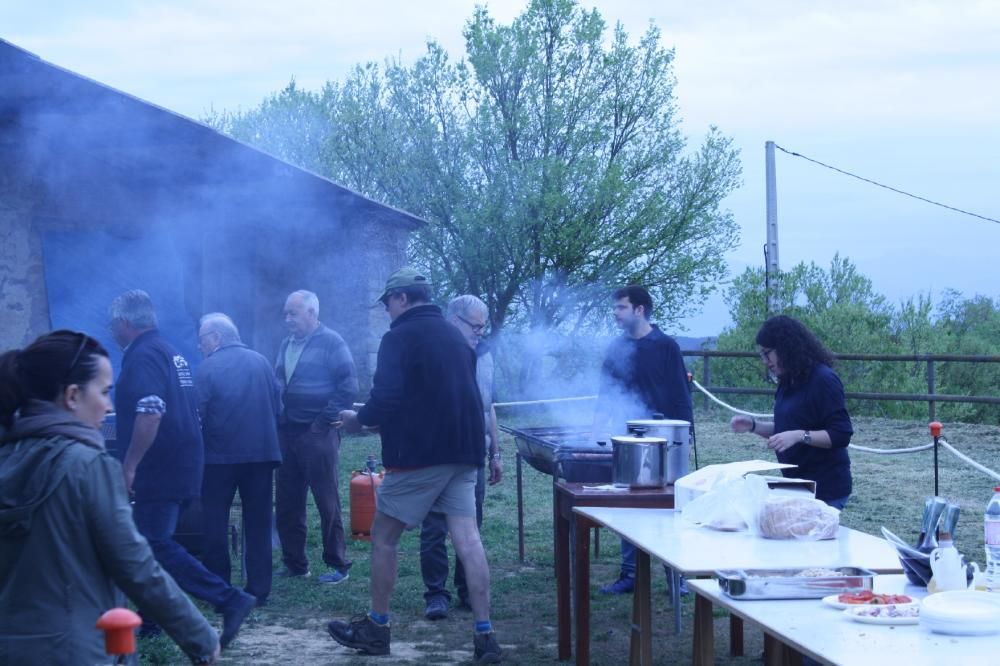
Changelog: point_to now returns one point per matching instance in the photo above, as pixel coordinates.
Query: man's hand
(783, 441)
(129, 473)
(496, 471)
(349, 421)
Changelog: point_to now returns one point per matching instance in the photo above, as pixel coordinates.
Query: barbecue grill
(564, 452)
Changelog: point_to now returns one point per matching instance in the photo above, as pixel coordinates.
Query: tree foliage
(841, 306)
(548, 163)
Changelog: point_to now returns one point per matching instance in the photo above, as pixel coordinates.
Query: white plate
(834, 602)
(854, 613)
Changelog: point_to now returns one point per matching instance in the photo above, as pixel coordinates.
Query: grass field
(888, 490)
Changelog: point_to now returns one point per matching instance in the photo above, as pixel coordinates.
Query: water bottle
(991, 523)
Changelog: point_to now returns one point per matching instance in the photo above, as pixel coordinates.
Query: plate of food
(885, 614)
(865, 598)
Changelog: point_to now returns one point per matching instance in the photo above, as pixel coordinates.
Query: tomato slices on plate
(870, 598)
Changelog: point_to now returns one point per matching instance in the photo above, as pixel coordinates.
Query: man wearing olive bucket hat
(426, 404)
(643, 373)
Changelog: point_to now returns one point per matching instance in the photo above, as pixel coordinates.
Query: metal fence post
(930, 388)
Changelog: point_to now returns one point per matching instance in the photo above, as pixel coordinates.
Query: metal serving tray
(786, 584)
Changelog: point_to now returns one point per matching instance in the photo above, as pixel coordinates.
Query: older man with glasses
(469, 315)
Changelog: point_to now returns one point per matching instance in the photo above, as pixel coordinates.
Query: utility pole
(771, 268)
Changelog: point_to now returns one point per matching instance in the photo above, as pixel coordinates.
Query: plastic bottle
(991, 523)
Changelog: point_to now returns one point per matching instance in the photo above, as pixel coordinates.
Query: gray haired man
(238, 402)
(316, 372)
(469, 315)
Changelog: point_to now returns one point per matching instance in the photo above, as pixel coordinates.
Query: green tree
(549, 164)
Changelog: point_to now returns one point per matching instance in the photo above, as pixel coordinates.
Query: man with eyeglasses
(426, 404)
(643, 373)
(468, 314)
(157, 419)
(239, 400)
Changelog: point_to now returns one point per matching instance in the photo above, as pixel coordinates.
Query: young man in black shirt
(643, 374)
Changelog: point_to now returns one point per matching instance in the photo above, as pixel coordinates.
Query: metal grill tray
(785, 584)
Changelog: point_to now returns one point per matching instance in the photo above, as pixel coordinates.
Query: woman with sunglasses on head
(811, 427)
(68, 547)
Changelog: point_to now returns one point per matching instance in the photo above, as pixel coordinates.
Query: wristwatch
(806, 438)
(494, 456)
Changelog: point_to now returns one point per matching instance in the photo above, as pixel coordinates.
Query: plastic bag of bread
(730, 506)
(790, 517)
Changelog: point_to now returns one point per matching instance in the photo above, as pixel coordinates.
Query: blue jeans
(838, 503)
(434, 550)
(157, 520)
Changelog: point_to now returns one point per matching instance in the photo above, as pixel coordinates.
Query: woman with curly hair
(811, 427)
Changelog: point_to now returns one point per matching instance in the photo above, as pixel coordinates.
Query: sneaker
(290, 573)
(333, 577)
(487, 649)
(233, 616)
(624, 585)
(436, 609)
(361, 634)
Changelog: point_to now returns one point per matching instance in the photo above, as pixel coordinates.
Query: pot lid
(628, 439)
(651, 423)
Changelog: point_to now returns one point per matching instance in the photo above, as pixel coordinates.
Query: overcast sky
(903, 92)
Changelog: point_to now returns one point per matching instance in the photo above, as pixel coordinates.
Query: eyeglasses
(79, 352)
(764, 353)
(476, 328)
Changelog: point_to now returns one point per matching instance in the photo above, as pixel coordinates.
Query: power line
(892, 189)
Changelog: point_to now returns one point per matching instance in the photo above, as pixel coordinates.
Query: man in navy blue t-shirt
(156, 409)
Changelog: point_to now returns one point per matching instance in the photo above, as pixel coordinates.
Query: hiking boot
(291, 573)
(487, 649)
(361, 634)
(624, 585)
(436, 608)
(333, 577)
(233, 616)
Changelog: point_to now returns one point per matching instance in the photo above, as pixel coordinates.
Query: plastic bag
(789, 517)
(732, 505)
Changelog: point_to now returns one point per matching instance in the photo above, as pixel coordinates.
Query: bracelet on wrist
(494, 456)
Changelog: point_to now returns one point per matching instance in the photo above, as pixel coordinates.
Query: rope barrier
(888, 452)
(543, 402)
(727, 406)
(967, 460)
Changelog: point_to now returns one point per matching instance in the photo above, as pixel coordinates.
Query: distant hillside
(695, 344)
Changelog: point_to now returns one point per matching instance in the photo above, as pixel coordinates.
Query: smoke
(126, 195)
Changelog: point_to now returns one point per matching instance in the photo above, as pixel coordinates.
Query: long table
(697, 551)
(808, 627)
(566, 498)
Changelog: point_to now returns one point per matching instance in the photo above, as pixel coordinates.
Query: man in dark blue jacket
(239, 402)
(317, 377)
(156, 407)
(427, 406)
(643, 373)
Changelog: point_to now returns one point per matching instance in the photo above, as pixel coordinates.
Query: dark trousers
(157, 521)
(254, 482)
(309, 462)
(434, 550)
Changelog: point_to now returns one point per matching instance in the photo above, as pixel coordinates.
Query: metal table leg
(520, 509)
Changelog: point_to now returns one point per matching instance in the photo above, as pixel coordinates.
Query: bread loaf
(787, 517)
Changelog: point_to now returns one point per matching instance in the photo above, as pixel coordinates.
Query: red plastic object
(119, 626)
(935, 427)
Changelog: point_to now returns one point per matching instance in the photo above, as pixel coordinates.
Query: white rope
(967, 460)
(912, 449)
(727, 406)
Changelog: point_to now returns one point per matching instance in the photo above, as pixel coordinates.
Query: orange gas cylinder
(363, 500)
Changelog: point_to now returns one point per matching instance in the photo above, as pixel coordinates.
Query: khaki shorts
(409, 495)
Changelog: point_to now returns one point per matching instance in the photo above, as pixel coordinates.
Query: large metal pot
(677, 434)
(638, 462)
